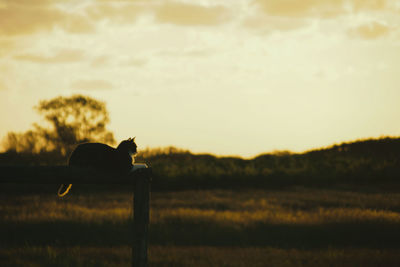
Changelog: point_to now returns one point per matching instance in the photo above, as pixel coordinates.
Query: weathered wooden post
(141, 214)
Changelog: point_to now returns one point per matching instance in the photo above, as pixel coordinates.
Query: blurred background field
(294, 226)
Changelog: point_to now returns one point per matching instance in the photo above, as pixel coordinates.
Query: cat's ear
(133, 139)
(129, 139)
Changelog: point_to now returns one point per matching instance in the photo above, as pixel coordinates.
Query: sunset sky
(229, 77)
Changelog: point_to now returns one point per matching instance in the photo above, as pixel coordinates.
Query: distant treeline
(360, 162)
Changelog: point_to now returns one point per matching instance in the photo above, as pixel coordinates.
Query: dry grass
(298, 206)
(199, 256)
(296, 227)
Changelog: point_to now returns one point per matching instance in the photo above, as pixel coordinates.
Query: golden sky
(230, 77)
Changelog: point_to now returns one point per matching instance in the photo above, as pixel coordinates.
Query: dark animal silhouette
(103, 158)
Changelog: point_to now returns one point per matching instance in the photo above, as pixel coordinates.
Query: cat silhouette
(102, 157)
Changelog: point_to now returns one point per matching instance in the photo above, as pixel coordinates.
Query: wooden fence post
(141, 210)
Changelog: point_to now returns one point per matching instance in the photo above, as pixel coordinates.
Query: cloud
(172, 12)
(191, 53)
(63, 56)
(27, 2)
(284, 15)
(303, 8)
(190, 15)
(135, 62)
(373, 30)
(22, 17)
(358, 5)
(318, 8)
(122, 12)
(199, 52)
(267, 24)
(15, 20)
(100, 61)
(76, 24)
(92, 85)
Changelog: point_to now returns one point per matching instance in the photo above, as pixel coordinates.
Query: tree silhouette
(70, 121)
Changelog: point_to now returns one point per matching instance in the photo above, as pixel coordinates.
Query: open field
(199, 256)
(292, 227)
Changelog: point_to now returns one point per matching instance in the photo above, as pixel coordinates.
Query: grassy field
(292, 227)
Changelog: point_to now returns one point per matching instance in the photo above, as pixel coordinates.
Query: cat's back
(91, 154)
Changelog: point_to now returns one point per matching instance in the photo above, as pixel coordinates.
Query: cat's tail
(65, 191)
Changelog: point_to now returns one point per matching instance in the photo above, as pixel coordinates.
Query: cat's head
(128, 145)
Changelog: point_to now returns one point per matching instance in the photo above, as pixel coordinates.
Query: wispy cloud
(178, 13)
(285, 15)
(372, 30)
(27, 17)
(16, 20)
(319, 8)
(77, 24)
(92, 85)
(63, 56)
(116, 11)
(191, 15)
(359, 5)
(135, 62)
(100, 61)
(303, 8)
(199, 52)
(266, 24)
(190, 53)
